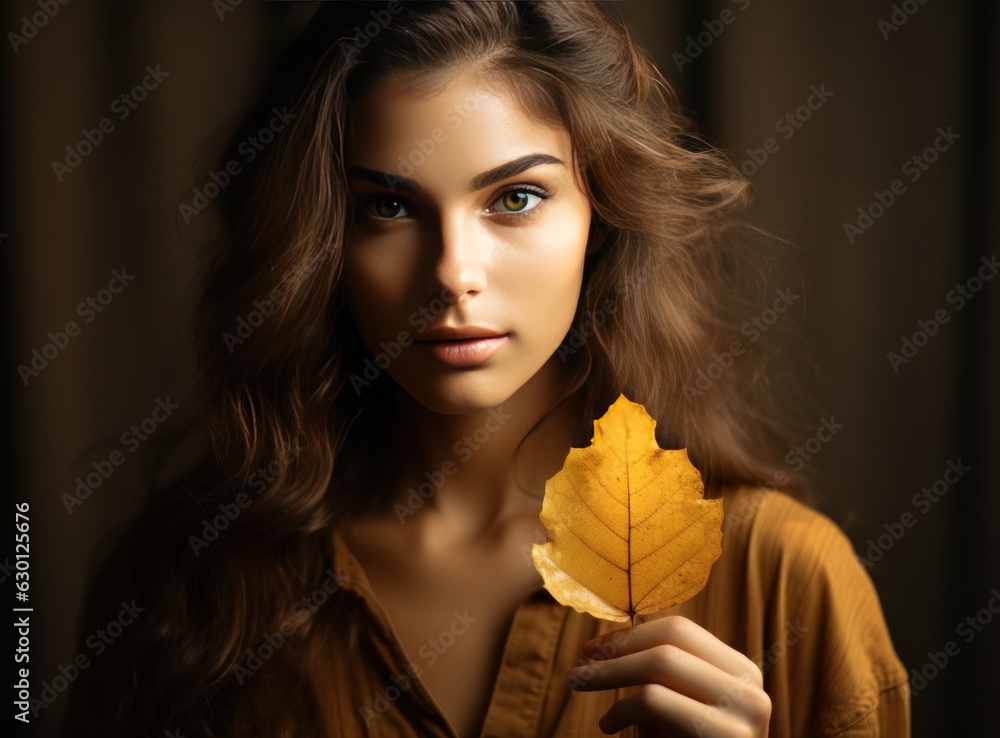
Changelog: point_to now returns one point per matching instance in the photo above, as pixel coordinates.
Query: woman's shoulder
(782, 545)
(775, 526)
(800, 581)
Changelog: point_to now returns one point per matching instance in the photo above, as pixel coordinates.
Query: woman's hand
(690, 683)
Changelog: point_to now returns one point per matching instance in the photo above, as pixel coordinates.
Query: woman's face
(464, 269)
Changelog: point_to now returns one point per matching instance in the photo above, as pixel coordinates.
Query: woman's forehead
(452, 134)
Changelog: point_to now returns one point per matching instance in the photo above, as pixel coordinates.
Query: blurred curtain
(824, 105)
(114, 111)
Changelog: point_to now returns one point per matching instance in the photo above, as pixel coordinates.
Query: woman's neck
(471, 472)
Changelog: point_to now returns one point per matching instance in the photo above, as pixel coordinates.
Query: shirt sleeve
(829, 659)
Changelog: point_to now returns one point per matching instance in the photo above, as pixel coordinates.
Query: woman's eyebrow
(497, 174)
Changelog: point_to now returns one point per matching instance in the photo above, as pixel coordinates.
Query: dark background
(893, 85)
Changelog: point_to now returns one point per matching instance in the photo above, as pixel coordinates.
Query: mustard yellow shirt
(787, 591)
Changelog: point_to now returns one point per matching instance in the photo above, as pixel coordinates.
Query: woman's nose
(461, 258)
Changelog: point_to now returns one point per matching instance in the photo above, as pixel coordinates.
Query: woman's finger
(671, 713)
(677, 631)
(667, 665)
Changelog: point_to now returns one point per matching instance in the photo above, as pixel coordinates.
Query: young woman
(473, 227)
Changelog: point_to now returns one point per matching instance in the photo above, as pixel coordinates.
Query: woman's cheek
(376, 284)
(554, 273)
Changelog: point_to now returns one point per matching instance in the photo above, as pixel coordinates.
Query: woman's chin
(459, 395)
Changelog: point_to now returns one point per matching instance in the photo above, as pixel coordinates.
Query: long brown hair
(277, 348)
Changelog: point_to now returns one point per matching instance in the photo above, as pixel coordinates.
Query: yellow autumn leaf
(628, 529)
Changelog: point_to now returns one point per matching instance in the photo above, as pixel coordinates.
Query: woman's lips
(465, 352)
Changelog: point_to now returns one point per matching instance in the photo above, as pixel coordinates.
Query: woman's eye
(515, 201)
(518, 200)
(384, 208)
